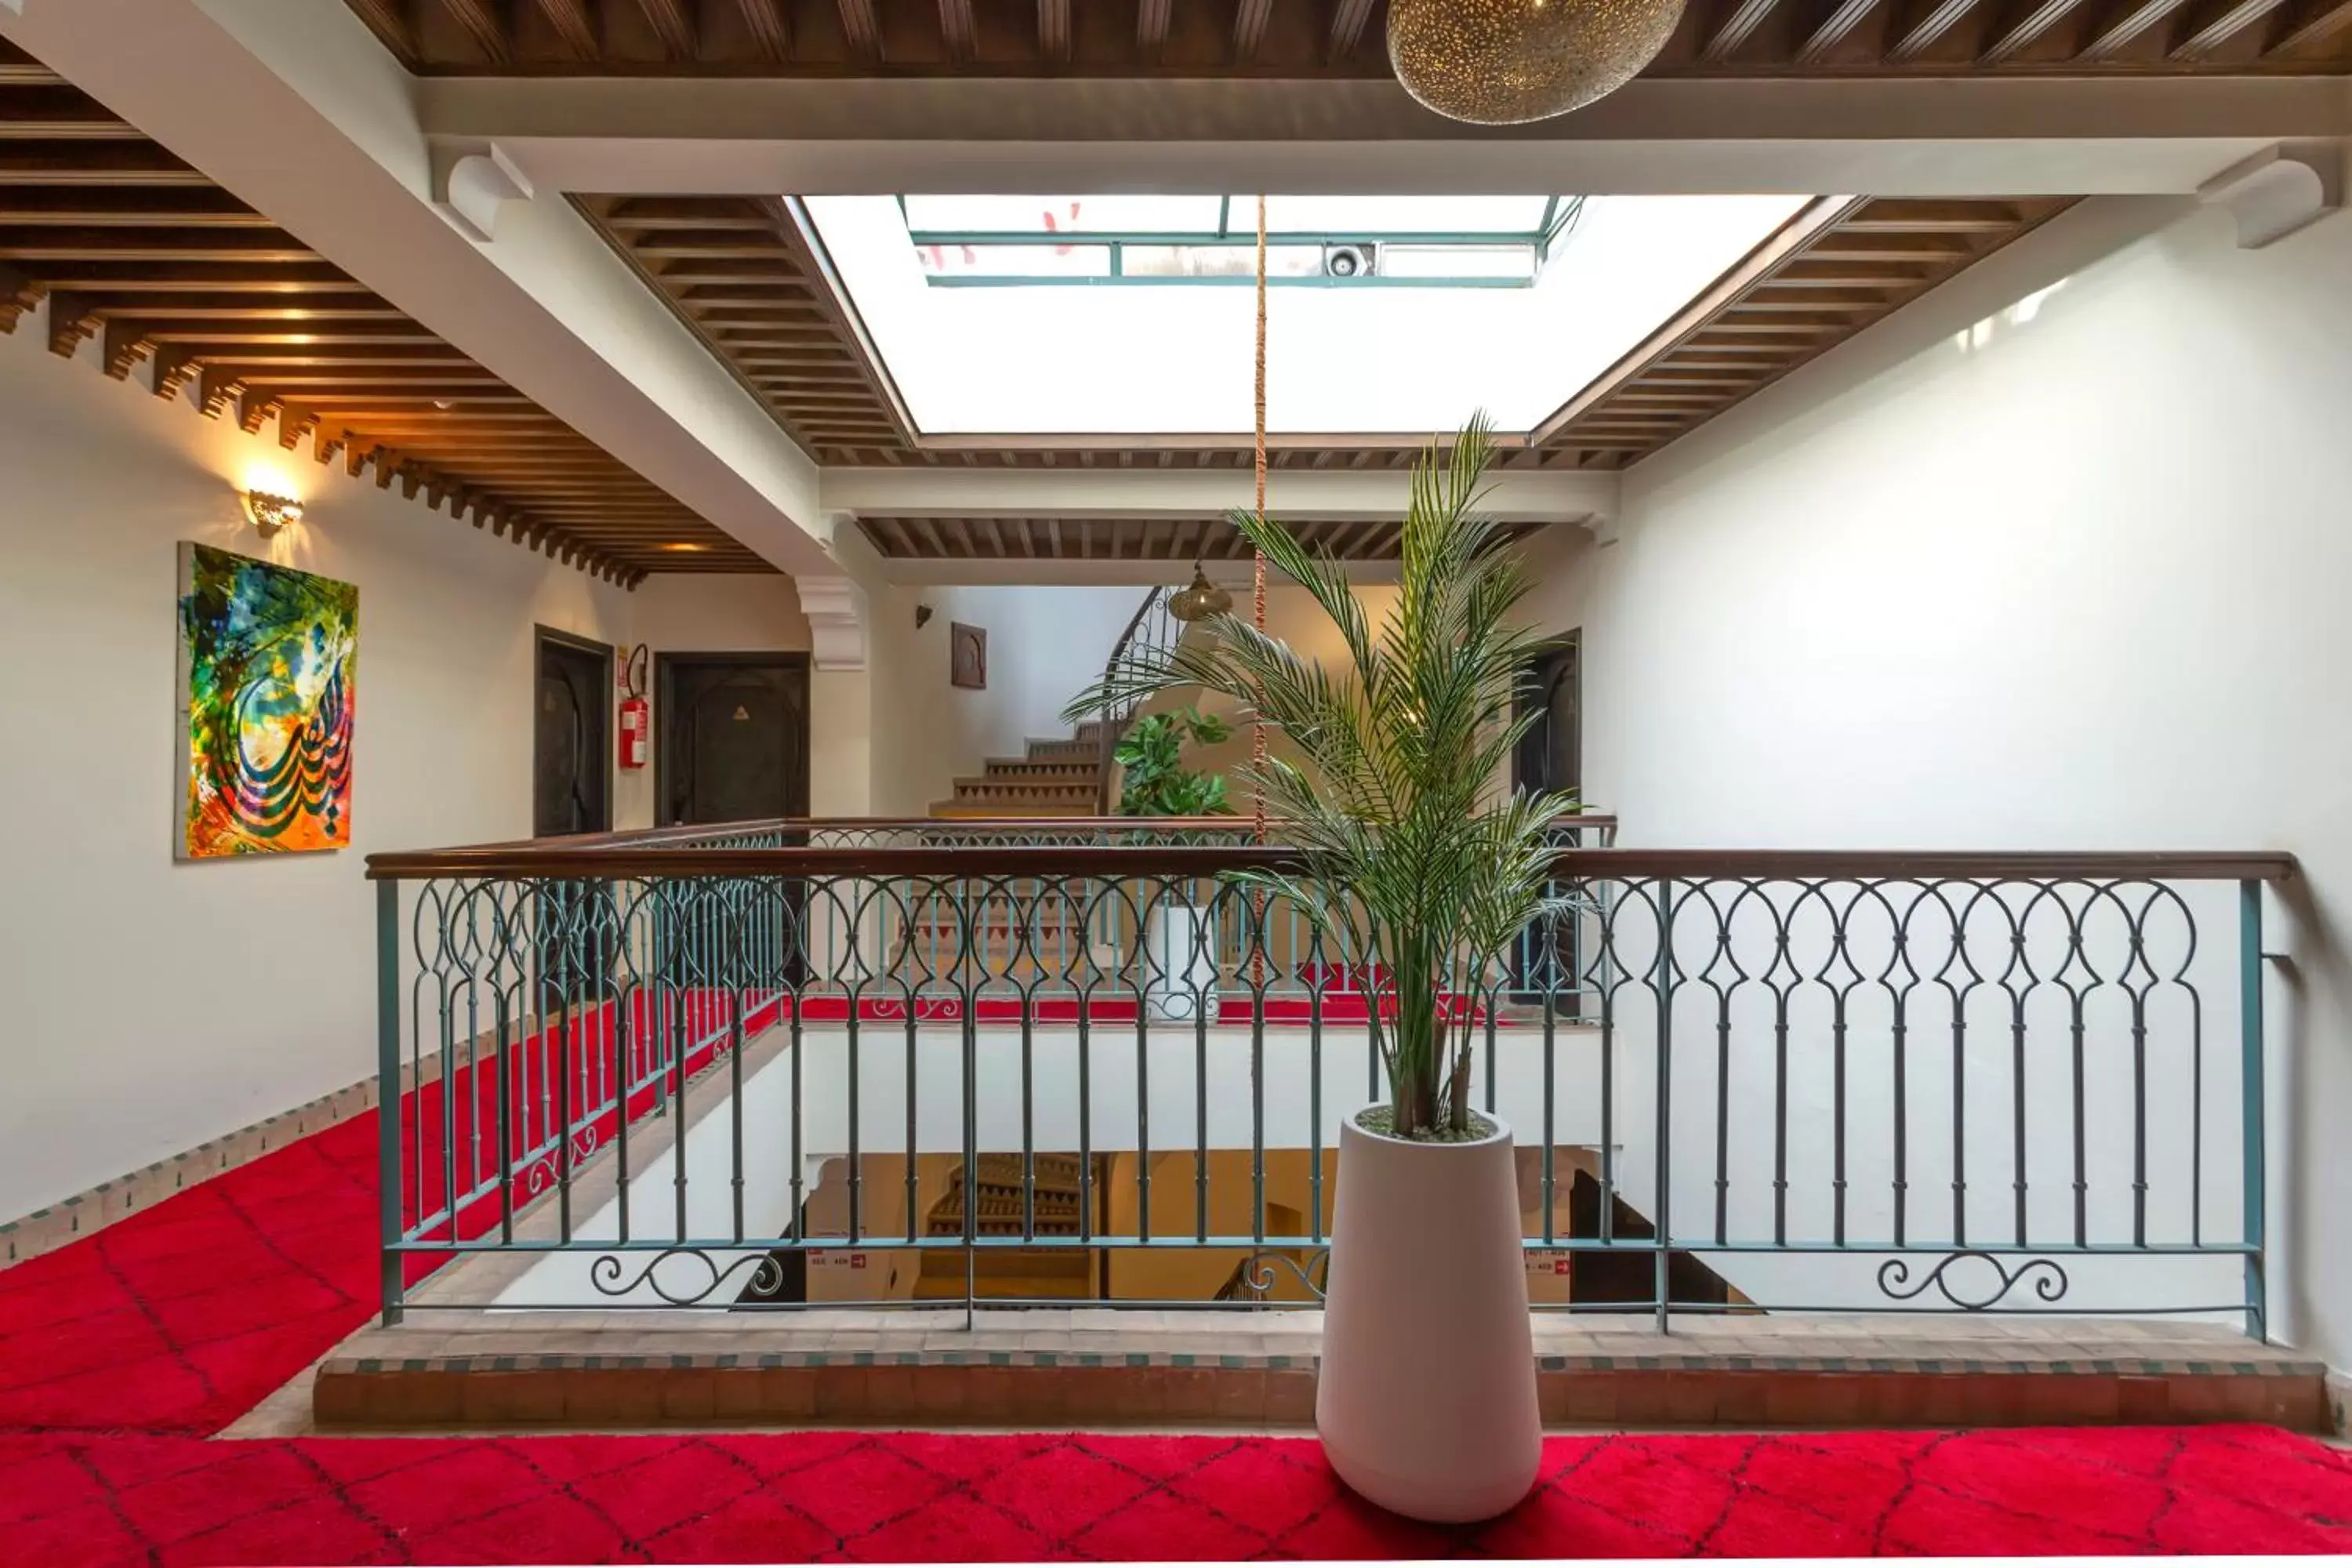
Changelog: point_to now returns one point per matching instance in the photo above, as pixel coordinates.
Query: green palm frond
(1407, 857)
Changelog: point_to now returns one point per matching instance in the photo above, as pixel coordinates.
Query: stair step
(1070, 772)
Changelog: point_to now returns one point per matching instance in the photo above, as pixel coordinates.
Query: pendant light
(1201, 601)
(1505, 62)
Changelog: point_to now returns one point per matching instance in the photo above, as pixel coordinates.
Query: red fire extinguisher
(636, 714)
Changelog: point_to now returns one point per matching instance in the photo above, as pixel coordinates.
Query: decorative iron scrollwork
(2049, 1280)
(1257, 1271)
(607, 1274)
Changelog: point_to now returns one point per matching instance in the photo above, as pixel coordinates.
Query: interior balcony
(806, 1120)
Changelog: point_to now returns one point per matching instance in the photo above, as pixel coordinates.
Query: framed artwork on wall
(968, 655)
(269, 670)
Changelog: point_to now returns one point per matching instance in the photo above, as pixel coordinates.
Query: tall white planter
(1179, 944)
(1426, 1398)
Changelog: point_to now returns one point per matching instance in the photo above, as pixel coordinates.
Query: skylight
(1514, 305)
(1322, 241)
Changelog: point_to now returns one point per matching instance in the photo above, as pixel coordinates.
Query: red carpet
(118, 1353)
(911, 1498)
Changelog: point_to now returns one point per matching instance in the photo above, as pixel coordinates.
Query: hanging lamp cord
(1257, 612)
(1257, 557)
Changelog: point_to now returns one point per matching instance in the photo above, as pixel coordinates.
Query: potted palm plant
(1407, 856)
(1180, 936)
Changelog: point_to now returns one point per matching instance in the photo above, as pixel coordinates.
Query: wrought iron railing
(652, 1068)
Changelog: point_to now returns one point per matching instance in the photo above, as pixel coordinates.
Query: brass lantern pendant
(1505, 62)
(1201, 601)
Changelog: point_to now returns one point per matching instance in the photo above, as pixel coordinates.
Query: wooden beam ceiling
(749, 276)
(932, 537)
(1835, 268)
(133, 249)
(1343, 38)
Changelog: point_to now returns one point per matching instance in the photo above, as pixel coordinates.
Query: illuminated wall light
(271, 512)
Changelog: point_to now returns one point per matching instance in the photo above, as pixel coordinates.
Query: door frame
(666, 668)
(1565, 642)
(542, 635)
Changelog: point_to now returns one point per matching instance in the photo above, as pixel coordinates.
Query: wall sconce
(922, 616)
(269, 514)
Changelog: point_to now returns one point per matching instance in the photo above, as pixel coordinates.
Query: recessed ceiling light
(684, 547)
(445, 403)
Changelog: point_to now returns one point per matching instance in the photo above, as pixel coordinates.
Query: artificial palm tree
(1407, 854)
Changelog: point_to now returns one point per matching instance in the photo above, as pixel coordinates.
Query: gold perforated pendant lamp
(1505, 62)
(1200, 601)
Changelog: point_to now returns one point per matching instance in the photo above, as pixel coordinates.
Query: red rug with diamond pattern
(119, 1354)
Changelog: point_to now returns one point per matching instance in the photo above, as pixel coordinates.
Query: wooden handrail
(946, 827)
(1115, 862)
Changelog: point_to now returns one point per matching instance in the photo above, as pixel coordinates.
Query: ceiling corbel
(73, 321)
(124, 345)
(218, 386)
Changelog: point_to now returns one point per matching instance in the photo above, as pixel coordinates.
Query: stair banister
(1151, 627)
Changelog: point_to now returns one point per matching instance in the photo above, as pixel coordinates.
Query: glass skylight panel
(1006, 240)
(1048, 263)
(1454, 303)
(1395, 214)
(1064, 214)
(1234, 263)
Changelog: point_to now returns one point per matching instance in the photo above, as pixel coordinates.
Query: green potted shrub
(1411, 858)
(1180, 943)
(1154, 780)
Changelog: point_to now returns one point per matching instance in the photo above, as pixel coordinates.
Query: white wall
(2027, 568)
(153, 1005)
(721, 612)
(1044, 644)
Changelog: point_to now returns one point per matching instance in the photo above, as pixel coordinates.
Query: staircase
(996, 1196)
(1057, 778)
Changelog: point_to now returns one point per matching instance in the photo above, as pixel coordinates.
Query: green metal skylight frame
(1561, 214)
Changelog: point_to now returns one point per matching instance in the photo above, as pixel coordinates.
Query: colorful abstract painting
(268, 656)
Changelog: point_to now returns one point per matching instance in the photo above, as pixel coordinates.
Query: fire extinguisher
(636, 714)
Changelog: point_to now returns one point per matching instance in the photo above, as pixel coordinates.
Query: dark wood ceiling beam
(1053, 31)
(2033, 21)
(769, 22)
(120, 275)
(1150, 30)
(216, 332)
(2210, 27)
(574, 24)
(80, 164)
(65, 243)
(226, 307)
(59, 114)
(1250, 17)
(1348, 18)
(956, 30)
(1833, 30)
(1897, 215)
(482, 23)
(432, 358)
(2114, 32)
(2321, 23)
(860, 29)
(672, 26)
(1737, 27)
(1929, 28)
(387, 20)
